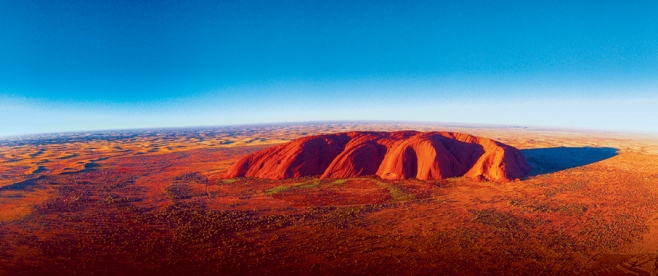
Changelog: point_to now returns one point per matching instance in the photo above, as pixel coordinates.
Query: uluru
(389, 155)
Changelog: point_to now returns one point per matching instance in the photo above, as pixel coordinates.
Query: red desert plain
(340, 198)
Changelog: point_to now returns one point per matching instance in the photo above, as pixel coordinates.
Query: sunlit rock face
(389, 155)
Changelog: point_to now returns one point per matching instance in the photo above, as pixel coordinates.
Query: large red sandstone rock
(389, 155)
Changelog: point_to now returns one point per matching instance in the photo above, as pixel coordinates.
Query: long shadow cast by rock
(550, 160)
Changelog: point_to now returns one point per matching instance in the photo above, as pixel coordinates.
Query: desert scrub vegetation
(180, 186)
(190, 178)
(397, 193)
(112, 199)
(343, 217)
(277, 189)
(177, 192)
(308, 184)
(340, 181)
(59, 205)
(229, 180)
(118, 183)
(503, 223)
(192, 225)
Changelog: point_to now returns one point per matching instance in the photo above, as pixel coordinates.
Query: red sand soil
(390, 155)
(156, 202)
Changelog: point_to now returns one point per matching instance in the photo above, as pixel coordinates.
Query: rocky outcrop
(389, 155)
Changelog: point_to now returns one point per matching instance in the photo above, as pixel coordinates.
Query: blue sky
(92, 65)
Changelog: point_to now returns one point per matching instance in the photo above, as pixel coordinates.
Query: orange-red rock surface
(389, 155)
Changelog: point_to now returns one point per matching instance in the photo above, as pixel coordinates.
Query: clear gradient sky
(95, 65)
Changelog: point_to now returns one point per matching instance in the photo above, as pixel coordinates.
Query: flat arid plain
(156, 202)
